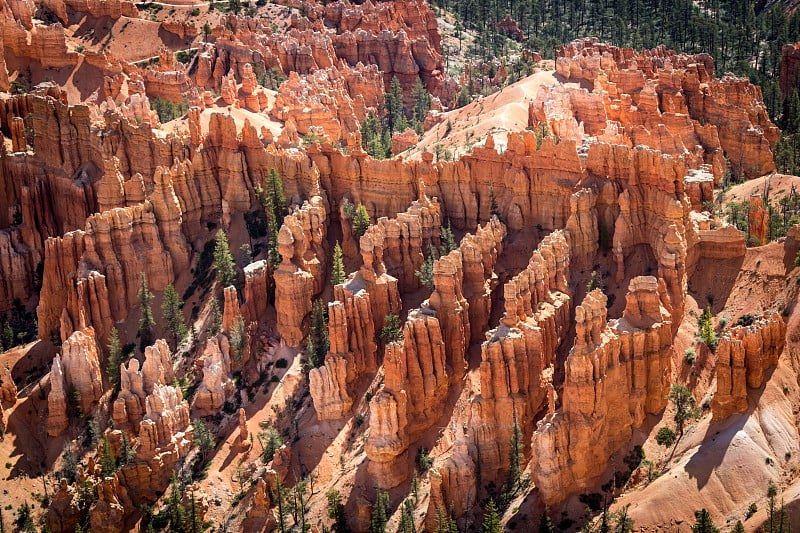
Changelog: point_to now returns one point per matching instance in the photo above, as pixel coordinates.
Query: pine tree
(108, 464)
(448, 239)
(146, 321)
(445, 522)
(772, 492)
(391, 331)
(407, 518)
(203, 438)
(422, 104)
(69, 465)
(336, 511)
(194, 522)
(126, 452)
(380, 512)
(337, 272)
(318, 338)
(172, 312)
(494, 209)
(624, 524)
(174, 507)
(545, 524)
(684, 404)
(223, 261)
(278, 196)
(114, 359)
(491, 519)
(703, 523)
(739, 527)
(360, 221)
(216, 318)
(425, 272)
(393, 105)
(514, 475)
(415, 486)
(279, 495)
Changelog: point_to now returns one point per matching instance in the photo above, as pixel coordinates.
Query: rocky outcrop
(616, 373)
(256, 289)
(757, 221)
(8, 389)
(216, 385)
(96, 272)
(790, 69)
(419, 370)
(408, 238)
(517, 357)
(300, 277)
(136, 384)
(744, 355)
(74, 378)
(672, 102)
(415, 386)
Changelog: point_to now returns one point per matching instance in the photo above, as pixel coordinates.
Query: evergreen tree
(624, 524)
(216, 318)
(279, 496)
(545, 524)
(391, 331)
(380, 513)
(422, 104)
(739, 527)
(336, 511)
(514, 475)
(494, 209)
(393, 105)
(126, 452)
(69, 465)
(706, 329)
(338, 275)
(703, 523)
(407, 518)
(172, 311)
(425, 272)
(204, 438)
(114, 359)
(772, 492)
(223, 261)
(108, 463)
(278, 196)
(491, 519)
(194, 522)
(684, 404)
(445, 523)
(318, 342)
(464, 97)
(665, 437)
(360, 221)
(448, 239)
(146, 321)
(174, 508)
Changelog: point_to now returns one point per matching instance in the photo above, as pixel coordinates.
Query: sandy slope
(499, 113)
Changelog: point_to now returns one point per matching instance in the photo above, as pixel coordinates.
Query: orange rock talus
(616, 373)
(744, 355)
(77, 369)
(300, 276)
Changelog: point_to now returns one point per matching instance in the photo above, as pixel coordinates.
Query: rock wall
(300, 276)
(744, 355)
(617, 372)
(74, 379)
